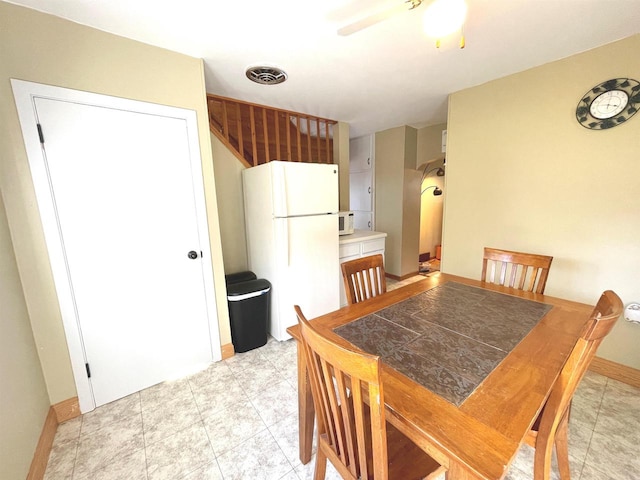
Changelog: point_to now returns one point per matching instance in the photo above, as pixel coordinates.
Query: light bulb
(443, 17)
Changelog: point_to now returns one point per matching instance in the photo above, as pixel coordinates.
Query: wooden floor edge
(616, 371)
(67, 409)
(43, 449)
(400, 278)
(227, 351)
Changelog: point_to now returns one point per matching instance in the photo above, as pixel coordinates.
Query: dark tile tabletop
(449, 338)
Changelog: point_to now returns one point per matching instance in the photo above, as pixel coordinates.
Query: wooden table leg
(306, 411)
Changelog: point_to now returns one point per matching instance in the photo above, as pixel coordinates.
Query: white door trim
(25, 94)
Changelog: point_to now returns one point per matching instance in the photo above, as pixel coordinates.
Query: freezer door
(308, 270)
(304, 188)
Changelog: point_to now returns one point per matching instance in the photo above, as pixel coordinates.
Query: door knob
(192, 254)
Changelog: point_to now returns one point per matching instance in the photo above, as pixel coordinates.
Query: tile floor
(238, 420)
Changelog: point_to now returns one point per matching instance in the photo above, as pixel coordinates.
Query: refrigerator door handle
(288, 241)
(283, 234)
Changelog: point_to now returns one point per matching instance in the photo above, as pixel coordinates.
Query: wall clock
(609, 104)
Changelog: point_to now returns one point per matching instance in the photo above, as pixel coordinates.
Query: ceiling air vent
(266, 75)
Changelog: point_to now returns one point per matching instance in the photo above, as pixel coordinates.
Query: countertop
(360, 235)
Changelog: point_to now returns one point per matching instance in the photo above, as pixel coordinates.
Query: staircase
(257, 134)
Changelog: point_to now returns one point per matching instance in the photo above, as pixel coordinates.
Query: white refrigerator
(292, 237)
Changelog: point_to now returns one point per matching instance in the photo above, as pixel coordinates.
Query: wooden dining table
(466, 365)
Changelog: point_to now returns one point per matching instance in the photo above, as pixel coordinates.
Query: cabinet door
(363, 220)
(360, 154)
(360, 189)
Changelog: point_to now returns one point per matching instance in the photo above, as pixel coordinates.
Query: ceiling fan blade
(377, 18)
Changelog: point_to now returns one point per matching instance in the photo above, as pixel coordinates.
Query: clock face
(609, 104)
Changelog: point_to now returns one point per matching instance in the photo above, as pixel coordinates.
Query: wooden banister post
(310, 159)
(254, 146)
(289, 153)
(277, 118)
(266, 136)
(239, 128)
(299, 140)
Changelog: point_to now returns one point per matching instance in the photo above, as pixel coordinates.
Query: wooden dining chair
(524, 271)
(350, 415)
(551, 426)
(364, 278)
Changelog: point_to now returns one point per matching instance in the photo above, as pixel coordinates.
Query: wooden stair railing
(257, 134)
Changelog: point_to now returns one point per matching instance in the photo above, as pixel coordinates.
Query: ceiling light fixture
(443, 17)
(266, 75)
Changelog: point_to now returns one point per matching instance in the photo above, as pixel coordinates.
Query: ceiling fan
(442, 17)
(378, 17)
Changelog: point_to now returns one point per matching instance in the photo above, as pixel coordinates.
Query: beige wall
(24, 402)
(45, 49)
(430, 144)
(398, 198)
(341, 158)
(389, 183)
(410, 204)
(228, 171)
(523, 174)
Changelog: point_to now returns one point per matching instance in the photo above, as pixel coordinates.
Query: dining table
(466, 365)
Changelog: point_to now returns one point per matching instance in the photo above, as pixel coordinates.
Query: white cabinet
(361, 243)
(360, 191)
(360, 154)
(361, 181)
(362, 220)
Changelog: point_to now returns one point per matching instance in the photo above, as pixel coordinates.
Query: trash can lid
(249, 289)
(238, 277)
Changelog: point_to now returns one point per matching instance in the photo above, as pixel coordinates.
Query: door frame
(25, 94)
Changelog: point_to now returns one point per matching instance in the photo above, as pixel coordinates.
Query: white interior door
(128, 209)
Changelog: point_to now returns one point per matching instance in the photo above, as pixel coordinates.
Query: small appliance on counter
(345, 223)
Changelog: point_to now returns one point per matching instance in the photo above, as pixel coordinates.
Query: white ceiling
(387, 75)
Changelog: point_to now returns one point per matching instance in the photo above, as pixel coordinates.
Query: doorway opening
(431, 212)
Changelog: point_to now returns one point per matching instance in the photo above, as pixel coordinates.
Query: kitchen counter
(360, 235)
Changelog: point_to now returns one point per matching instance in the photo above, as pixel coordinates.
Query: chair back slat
(336, 401)
(523, 271)
(346, 424)
(364, 278)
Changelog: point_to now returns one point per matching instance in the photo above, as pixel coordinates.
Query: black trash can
(249, 310)
(239, 277)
